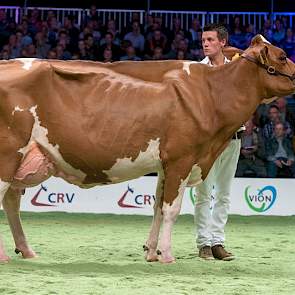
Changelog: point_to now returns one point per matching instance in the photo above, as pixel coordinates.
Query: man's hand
(245, 152)
(288, 163)
(278, 163)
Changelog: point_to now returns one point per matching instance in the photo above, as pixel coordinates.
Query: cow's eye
(283, 58)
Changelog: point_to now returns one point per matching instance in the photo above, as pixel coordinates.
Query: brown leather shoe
(206, 253)
(220, 253)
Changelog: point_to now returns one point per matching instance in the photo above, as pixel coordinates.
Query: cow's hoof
(4, 259)
(150, 254)
(151, 257)
(165, 259)
(28, 253)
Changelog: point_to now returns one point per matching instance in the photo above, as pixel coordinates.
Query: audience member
(279, 153)
(278, 33)
(237, 37)
(107, 42)
(250, 33)
(52, 54)
(148, 27)
(107, 55)
(157, 54)
(42, 47)
(92, 15)
(111, 27)
(275, 117)
(157, 39)
(288, 43)
(15, 46)
(252, 153)
(72, 31)
(175, 46)
(91, 48)
(130, 54)
(266, 30)
(81, 51)
(136, 38)
(4, 22)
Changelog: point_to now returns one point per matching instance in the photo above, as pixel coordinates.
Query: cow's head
(277, 73)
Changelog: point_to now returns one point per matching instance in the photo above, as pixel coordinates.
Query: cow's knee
(170, 212)
(11, 201)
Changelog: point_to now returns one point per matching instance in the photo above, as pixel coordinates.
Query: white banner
(248, 197)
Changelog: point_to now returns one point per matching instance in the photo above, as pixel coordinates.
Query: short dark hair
(109, 33)
(273, 106)
(221, 30)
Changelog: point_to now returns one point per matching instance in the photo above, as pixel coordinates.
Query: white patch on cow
(174, 208)
(27, 62)
(3, 189)
(195, 176)
(146, 162)
(186, 65)
(17, 109)
(170, 213)
(263, 39)
(39, 135)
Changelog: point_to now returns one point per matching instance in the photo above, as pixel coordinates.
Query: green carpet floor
(102, 254)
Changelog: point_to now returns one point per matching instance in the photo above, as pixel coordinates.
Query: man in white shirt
(210, 224)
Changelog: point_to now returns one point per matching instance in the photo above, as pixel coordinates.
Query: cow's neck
(239, 93)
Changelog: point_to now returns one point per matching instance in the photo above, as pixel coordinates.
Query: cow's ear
(258, 39)
(263, 55)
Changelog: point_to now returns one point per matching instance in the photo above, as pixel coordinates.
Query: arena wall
(249, 196)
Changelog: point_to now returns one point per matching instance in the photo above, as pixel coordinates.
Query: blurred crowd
(95, 40)
(268, 142)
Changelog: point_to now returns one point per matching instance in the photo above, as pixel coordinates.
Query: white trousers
(210, 223)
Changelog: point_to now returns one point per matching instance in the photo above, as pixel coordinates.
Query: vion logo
(262, 200)
(50, 199)
(130, 199)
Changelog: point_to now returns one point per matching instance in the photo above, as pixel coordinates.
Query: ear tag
(236, 56)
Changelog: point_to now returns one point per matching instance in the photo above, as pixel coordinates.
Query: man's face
(279, 130)
(212, 46)
(249, 126)
(108, 38)
(273, 114)
(135, 26)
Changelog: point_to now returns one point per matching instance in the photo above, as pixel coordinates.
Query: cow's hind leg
(11, 205)
(3, 189)
(152, 242)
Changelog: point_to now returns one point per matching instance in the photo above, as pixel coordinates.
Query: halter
(270, 69)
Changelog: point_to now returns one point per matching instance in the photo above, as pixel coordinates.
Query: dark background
(204, 5)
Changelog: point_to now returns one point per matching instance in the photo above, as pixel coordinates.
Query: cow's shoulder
(12, 71)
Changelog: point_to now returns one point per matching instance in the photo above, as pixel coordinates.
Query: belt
(237, 135)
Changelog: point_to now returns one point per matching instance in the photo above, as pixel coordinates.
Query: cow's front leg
(3, 189)
(152, 242)
(11, 205)
(176, 179)
(3, 257)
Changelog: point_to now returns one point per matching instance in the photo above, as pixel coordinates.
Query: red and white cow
(92, 123)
